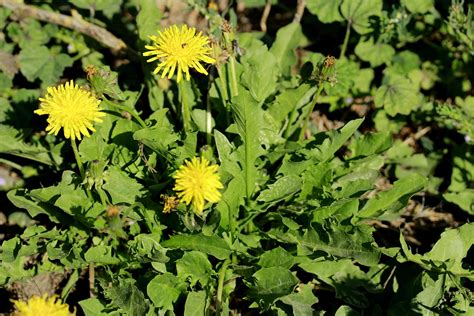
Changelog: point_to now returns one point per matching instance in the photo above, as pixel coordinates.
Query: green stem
(232, 224)
(208, 121)
(129, 110)
(80, 165)
(220, 286)
(310, 110)
(234, 88)
(70, 285)
(346, 39)
(185, 113)
(244, 223)
(147, 219)
(103, 197)
(208, 110)
(11, 164)
(78, 158)
(224, 93)
(293, 117)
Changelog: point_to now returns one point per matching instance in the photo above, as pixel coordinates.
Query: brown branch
(266, 12)
(413, 138)
(91, 280)
(75, 23)
(299, 10)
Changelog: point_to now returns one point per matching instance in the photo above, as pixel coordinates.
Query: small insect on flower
(38, 306)
(72, 108)
(179, 48)
(197, 181)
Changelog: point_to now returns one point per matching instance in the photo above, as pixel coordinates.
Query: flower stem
(80, 165)
(103, 197)
(310, 111)
(220, 286)
(208, 121)
(346, 39)
(148, 220)
(11, 164)
(234, 88)
(128, 109)
(186, 115)
(224, 94)
(78, 158)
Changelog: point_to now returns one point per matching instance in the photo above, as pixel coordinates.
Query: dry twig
(299, 10)
(75, 23)
(413, 138)
(91, 280)
(265, 14)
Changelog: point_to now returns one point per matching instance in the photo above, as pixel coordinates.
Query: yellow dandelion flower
(38, 306)
(197, 181)
(179, 48)
(72, 108)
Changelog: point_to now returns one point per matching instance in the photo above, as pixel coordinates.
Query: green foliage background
(364, 208)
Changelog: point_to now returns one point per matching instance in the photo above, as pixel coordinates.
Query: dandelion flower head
(72, 108)
(179, 49)
(170, 203)
(196, 182)
(38, 306)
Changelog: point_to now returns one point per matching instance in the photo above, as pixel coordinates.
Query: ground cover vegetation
(198, 157)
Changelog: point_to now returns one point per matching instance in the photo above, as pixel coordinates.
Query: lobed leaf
(211, 245)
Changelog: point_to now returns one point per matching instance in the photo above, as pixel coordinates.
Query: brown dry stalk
(91, 280)
(265, 14)
(75, 23)
(299, 10)
(413, 138)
